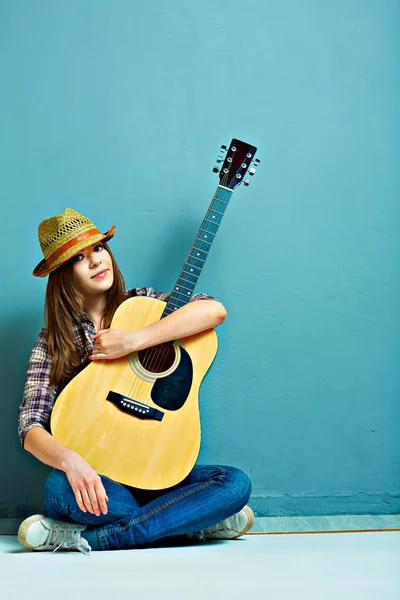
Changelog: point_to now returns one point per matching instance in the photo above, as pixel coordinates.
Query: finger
(99, 333)
(79, 501)
(102, 497)
(99, 357)
(87, 502)
(97, 350)
(94, 501)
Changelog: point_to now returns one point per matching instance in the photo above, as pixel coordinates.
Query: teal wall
(117, 108)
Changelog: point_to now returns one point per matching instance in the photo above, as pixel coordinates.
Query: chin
(103, 285)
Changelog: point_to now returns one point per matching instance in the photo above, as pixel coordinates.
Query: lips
(100, 274)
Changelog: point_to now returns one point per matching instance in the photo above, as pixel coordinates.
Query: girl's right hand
(86, 484)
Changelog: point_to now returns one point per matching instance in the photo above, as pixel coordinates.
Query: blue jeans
(208, 495)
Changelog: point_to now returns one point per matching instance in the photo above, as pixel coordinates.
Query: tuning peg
(215, 170)
(224, 148)
(256, 162)
(246, 182)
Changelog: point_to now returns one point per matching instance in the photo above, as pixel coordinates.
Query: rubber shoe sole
(23, 530)
(250, 522)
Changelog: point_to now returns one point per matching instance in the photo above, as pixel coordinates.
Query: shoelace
(75, 545)
(66, 538)
(215, 528)
(201, 535)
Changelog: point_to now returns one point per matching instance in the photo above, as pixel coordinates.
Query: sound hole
(157, 359)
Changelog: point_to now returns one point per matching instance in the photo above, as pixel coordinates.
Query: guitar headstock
(238, 160)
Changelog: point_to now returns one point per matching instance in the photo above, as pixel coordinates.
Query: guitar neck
(196, 259)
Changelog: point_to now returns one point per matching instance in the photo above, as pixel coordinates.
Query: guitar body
(136, 419)
(116, 436)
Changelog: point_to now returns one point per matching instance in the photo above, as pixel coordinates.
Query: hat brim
(45, 267)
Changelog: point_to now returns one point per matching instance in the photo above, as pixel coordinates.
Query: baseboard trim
(327, 524)
(308, 505)
(271, 525)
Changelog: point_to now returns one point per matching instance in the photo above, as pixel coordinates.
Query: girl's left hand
(113, 343)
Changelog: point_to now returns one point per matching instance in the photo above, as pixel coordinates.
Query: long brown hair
(63, 306)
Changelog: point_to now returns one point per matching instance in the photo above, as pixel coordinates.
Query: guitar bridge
(134, 407)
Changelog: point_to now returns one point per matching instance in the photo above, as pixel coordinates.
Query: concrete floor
(332, 566)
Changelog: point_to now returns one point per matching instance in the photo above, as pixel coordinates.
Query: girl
(86, 510)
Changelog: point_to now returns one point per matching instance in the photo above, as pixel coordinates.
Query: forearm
(41, 444)
(85, 482)
(190, 319)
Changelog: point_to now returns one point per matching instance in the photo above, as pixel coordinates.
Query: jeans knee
(241, 484)
(245, 486)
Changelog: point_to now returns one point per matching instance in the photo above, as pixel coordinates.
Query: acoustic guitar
(136, 419)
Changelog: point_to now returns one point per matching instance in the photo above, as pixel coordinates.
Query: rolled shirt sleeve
(39, 393)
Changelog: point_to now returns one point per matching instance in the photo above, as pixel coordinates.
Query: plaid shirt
(39, 393)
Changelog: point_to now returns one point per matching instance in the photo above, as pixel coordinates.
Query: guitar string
(154, 359)
(161, 356)
(157, 354)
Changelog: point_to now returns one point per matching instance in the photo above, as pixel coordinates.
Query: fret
(201, 250)
(173, 303)
(199, 268)
(182, 286)
(220, 200)
(189, 274)
(215, 223)
(206, 236)
(190, 265)
(214, 200)
(182, 294)
(216, 208)
(210, 232)
(205, 241)
(195, 277)
(187, 280)
(196, 258)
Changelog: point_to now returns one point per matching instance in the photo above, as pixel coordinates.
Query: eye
(77, 258)
(98, 247)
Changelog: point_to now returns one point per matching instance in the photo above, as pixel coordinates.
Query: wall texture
(118, 108)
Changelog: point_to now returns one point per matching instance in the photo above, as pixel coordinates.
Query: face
(93, 270)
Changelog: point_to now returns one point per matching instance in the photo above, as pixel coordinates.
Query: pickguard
(171, 392)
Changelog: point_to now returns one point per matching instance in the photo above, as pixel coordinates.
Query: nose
(94, 259)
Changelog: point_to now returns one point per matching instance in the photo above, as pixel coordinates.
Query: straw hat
(63, 236)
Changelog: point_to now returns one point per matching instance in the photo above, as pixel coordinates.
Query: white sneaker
(230, 529)
(42, 533)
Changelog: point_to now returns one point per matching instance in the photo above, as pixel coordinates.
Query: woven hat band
(79, 238)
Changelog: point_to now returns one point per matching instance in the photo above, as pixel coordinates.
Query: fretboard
(196, 259)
